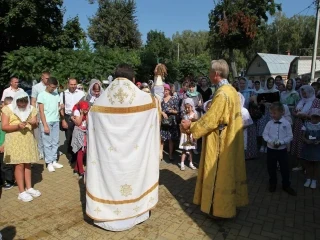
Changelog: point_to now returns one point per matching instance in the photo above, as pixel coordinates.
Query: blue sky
(173, 15)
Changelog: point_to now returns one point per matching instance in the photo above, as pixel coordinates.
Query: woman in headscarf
(257, 87)
(269, 87)
(95, 90)
(290, 97)
(245, 91)
(195, 96)
(18, 121)
(173, 90)
(302, 115)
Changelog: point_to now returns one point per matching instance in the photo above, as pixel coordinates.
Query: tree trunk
(233, 63)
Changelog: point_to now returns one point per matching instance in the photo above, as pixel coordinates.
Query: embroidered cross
(126, 190)
(117, 211)
(136, 209)
(112, 149)
(121, 95)
(97, 210)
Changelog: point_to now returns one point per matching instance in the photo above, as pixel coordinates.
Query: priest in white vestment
(122, 174)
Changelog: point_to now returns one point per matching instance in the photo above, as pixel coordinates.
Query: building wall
(258, 70)
(258, 67)
(302, 67)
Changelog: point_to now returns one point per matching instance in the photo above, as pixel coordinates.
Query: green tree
(234, 24)
(158, 48)
(115, 24)
(28, 63)
(36, 23)
(295, 34)
(159, 44)
(190, 43)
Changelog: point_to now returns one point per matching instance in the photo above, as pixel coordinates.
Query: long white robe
(123, 157)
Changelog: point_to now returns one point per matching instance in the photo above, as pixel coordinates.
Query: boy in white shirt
(278, 134)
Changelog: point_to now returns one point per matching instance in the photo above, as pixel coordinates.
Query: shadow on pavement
(8, 233)
(82, 196)
(183, 191)
(37, 170)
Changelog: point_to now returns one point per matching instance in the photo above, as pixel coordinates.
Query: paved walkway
(58, 213)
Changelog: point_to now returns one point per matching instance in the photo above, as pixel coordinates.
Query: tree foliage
(159, 44)
(295, 34)
(234, 24)
(36, 23)
(28, 63)
(190, 43)
(115, 25)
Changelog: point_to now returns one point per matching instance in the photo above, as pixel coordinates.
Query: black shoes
(290, 191)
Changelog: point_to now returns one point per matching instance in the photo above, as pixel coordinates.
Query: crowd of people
(231, 122)
(294, 107)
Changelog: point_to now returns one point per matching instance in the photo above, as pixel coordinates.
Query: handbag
(169, 122)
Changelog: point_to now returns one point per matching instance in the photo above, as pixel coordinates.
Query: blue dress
(311, 152)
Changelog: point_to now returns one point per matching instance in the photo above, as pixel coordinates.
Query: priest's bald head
(124, 71)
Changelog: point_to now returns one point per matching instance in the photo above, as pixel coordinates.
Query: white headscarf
(272, 90)
(189, 101)
(305, 104)
(286, 94)
(90, 98)
(22, 114)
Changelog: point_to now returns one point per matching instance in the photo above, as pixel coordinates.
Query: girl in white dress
(189, 113)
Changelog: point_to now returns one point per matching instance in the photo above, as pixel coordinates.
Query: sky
(171, 16)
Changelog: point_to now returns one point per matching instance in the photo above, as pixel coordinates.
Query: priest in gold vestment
(221, 184)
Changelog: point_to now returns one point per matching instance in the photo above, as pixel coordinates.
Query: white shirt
(10, 92)
(71, 99)
(278, 132)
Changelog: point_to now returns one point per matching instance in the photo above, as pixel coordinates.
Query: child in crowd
(6, 169)
(278, 134)
(79, 138)
(188, 114)
(311, 148)
(49, 102)
(18, 121)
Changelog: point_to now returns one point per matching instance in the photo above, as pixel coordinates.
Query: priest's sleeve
(211, 120)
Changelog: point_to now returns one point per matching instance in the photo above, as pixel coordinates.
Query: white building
(301, 66)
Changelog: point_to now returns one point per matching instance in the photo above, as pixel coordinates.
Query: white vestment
(122, 174)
